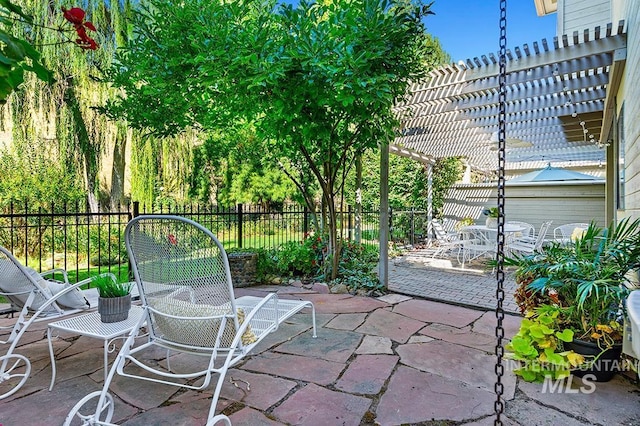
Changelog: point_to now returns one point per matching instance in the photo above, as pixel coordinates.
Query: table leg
(53, 359)
(106, 359)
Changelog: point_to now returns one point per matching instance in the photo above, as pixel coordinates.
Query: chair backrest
(528, 231)
(17, 282)
(544, 228)
(565, 231)
(441, 234)
(182, 273)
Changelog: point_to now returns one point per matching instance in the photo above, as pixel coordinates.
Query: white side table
(90, 325)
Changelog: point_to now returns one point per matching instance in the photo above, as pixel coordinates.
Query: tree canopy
(318, 81)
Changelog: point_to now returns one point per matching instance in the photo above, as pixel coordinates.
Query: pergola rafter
(556, 97)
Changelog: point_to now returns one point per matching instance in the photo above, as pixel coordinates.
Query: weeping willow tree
(59, 118)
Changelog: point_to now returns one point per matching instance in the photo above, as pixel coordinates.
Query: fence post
(240, 225)
(136, 209)
(349, 222)
(390, 223)
(412, 226)
(305, 220)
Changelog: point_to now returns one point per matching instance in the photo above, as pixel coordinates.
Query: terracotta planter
(114, 309)
(605, 367)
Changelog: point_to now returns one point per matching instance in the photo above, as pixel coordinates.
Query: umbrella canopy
(552, 174)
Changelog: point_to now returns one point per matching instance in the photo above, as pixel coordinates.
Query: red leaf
(75, 15)
(89, 25)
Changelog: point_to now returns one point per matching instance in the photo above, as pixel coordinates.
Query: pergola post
(429, 202)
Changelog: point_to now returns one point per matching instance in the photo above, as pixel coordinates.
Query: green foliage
(538, 346)
(586, 278)
(17, 55)
(108, 286)
(320, 91)
(300, 258)
(408, 182)
(357, 268)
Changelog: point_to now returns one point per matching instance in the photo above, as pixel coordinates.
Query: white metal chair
(205, 319)
(524, 247)
(446, 241)
(475, 244)
(564, 234)
(38, 299)
(528, 234)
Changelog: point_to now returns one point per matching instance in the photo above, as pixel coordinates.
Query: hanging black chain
(502, 82)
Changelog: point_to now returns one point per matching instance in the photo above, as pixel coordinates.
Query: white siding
(630, 93)
(578, 15)
(561, 202)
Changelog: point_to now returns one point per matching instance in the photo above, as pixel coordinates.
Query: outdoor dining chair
(38, 298)
(564, 234)
(526, 247)
(205, 319)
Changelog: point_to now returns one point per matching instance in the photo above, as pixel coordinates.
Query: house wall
(562, 202)
(577, 15)
(629, 95)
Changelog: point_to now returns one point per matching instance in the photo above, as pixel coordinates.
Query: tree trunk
(86, 147)
(119, 162)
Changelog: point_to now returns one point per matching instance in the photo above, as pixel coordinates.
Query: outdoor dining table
(488, 236)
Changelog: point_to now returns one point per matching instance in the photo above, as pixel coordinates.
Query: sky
(469, 28)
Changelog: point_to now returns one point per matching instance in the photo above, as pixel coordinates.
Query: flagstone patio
(398, 359)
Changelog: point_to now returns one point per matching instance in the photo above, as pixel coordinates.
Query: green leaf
(565, 335)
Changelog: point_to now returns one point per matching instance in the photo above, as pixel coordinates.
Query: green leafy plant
(586, 278)
(108, 286)
(538, 347)
(491, 212)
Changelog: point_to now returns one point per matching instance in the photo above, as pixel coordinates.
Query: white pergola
(559, 97)
(560, 104)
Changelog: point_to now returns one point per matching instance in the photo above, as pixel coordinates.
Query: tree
(317, 81)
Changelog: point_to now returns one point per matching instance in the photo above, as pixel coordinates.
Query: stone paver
(461, 336)
(444, 375)
(388, 324)
(367, 373)
(347, 321)
(615, 402)
(415, 396)
(427, 311)
(467, 365)
(330, 345)
(343, 303)
(265, 390)
(295, 367)
(317, 406)
(487, 324)
(375, 345)
(251, 417)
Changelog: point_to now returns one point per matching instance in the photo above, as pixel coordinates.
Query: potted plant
(114, 299)
(538, 346)
(492, 214)
(586, 281)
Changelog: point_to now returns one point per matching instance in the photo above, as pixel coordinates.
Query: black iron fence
(86, 243)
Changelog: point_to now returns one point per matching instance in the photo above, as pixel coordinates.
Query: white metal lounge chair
(446, 241)
(38, 299)
(206, 319)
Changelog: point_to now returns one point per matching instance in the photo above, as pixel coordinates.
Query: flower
(75, 16)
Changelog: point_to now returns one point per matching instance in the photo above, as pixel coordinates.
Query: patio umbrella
(553, 174)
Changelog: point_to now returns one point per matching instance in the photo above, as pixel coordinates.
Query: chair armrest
(54, 271)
